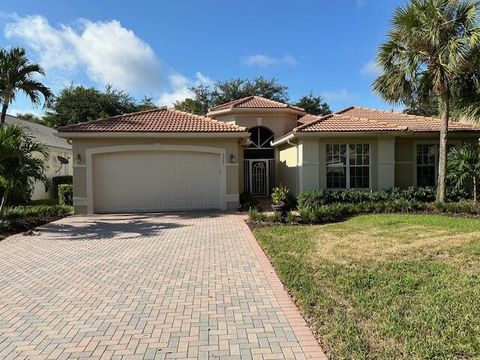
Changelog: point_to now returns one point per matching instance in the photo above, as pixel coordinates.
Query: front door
(259, 177)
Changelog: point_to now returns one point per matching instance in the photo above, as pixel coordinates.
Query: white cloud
(180, 88)
(370, 68)
(338, 96)
(107, 52)
(262, 60)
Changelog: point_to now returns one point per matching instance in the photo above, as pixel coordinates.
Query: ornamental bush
(315, 198)
(65, 194)
(58, 180)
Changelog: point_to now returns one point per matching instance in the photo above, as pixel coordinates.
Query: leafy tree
(200, 103)
(20, 165)
(423, 107)
(464, 166)
(146, 104)
(77, 104)
(17, 75)
(314, 105)
(234, 89)
(225, 91)
(428, 45)
(30, 117)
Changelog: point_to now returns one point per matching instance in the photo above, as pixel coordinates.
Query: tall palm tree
(20, 163)
(17, 75)
(428, 46)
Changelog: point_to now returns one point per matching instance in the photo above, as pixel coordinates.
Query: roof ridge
(341, 115)
(412, 116)
(232, 102)
(163, 108)
(320, 118)
(380, 122)
(344, 110)
(207, 118)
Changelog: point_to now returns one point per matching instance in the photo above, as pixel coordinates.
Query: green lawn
(385, 286)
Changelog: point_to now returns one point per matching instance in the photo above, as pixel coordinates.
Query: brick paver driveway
(128, 286)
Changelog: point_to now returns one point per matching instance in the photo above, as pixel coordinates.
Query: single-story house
(166, 159)
(56, 147)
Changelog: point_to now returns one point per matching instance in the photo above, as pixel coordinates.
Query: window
(336, 166)
(426, 164)
(261, 138)
(359, 166)
(352, 171)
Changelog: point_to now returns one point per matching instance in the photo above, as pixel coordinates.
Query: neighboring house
(165, 159)
(56, 147)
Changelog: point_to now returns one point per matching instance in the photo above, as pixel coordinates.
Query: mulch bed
(24, 225)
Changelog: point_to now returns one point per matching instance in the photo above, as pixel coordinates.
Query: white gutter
(283, 139)
(73, 135)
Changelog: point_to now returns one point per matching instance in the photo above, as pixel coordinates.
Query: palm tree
(428, 46)
(464, 166)
(16, 75)
(22, 161)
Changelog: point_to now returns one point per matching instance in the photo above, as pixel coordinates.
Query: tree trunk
(475, 189)
(3, 204)
(442, 154)
(4, 114)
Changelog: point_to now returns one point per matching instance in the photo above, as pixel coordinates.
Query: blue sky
(160, 48)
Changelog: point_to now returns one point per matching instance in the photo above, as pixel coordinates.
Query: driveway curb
(304, 334)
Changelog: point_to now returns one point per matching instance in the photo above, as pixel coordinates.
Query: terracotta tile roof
(255, 102)
(307, 119)
(413, 122)
(156, 120)
(341, 123)
(363, 119)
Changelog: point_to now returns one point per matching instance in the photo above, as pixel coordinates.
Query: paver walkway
(134, 286)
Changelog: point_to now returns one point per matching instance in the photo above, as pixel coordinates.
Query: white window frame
(415, 156)
(347, 165)
(429, 142)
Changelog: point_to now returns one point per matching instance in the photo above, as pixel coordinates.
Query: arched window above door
(260, 137)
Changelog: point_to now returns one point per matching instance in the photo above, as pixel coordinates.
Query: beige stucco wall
(393, 162)
(39, 191)
(231, 146)
(287, 167)
(279, 124)
(405, 155)
(311, 165)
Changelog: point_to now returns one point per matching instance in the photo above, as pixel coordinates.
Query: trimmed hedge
(316, 198)
(338, 211)
(65, 194)
(21, 212)
(59, 180)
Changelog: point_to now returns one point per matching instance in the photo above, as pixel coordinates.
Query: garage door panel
(156, 181)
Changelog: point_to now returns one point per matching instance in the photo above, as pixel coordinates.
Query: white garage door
(150, 181)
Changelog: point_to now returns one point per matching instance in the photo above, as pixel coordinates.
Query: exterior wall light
(232, 159)
(78, 158)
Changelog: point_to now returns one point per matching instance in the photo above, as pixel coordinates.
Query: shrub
(280, 195)
(316, 198)
(59, 180)
(462, 207)
(256, 215)
(22, 212)
(338, 211)
(247, 201)
(65, 194)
